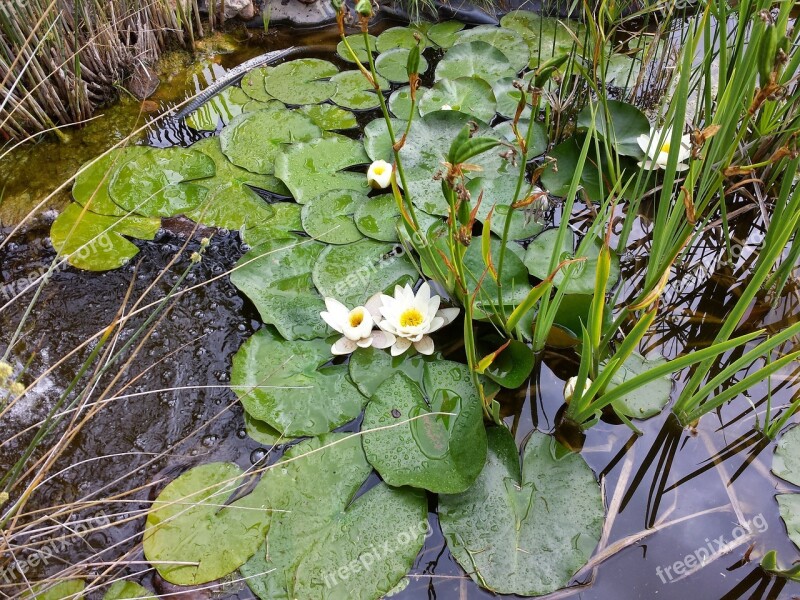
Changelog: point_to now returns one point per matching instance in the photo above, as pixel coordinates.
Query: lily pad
(283, 224)
(539, 139)
(444, 34)
(285, 384)
(474, 58)
(627, 124)
(71, 589)
(91, 186)
(353, 91)
(329, 217)
(328, 117)
(498, 195)
(253, 84)
(524, 529)
(276, 276)
(156, 183)
(408, 445)
(546, 36)
(512, 366)
(471, 95)
(645, 401)
(370, 367)
(254, 140)
(400, 37)
(128, 590)
(301, 81)
(558, 177)
(326, 543)
(622, 71)
(192, 521)
(508, 41)
(582, 275)
(789, 506)
(95, 242)
(263, 433)
(222, 108)
(377, 218)
(786, 460)
(358, 45)
(400, 101)
(392, 65)
(353, 273)
(507, 97)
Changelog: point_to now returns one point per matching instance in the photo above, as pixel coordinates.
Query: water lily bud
(412, 65)
(569, 387)
(379, 175)
(5, 371)
(364, 8)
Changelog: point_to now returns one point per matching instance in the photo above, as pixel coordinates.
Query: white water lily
(379, 174)
(569, 387)
(356, 327)
(410, 317)
(658, 154)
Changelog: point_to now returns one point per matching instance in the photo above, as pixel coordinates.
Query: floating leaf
(546, 36)
(156, 183)
(392, 65)
(283, 224)
(627, 124)
(377, 218)
(328, 117)
(622, 71)
(254, 140)
(301, 81)
(222, 108)
(444, 34)
(358, 45)
(71, 589)
(95, 242)
(512, 366)
(355, 272)
(253, 84)
(370, 367)
(276, 276)
(353, 91)
(400, 37)
(645, 401)
(508, 41)
(91, 186)
(474, 58)
(582, 275)
(498, 194)
(786, 460)
(285, 384)
(261, 432)
(400, 101)
(329, 217)
(789, 506)
(470, 95)
(128, 590)
(192, 521)
(557, 178)
(507, 97)
(327, 542)
(524, 529)
(539, 139)
(315, 167)
(408, 445)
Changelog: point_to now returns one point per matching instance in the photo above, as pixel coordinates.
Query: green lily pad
(128, 590)
(328, 117)
(400, 37)
(508, 41)
(276, 276)
(377, 218)
(444, 34)
(254, 140)
(627, 124)
(557, 178)
(524, 529)
(358, 45)
(474, 58)
(440, 453)
(95, 242)
(253, 84)
(400, 101)
(156, 183)
(222, 108)
(355, 272)
(285, 384)
(315, 167)
(263, 433)
(329, 217)
(91, 186)
(512, 367)
(192, 521)
(507, 97)
(786, 460)
(539, 139)
(426, 149)
(546, 36)
(645, 401)
(789, 506)
(353, 91)
(622, 71)
(370, 367)
(498, 195)
(392, 65)
(283, 224)
(326, 543)
(301, 81)
(471, 95)
(71, 589)
(582, 275)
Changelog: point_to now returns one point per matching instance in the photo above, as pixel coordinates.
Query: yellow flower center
(665, 148)
(356, 318)
(379, 170)
(411, 317)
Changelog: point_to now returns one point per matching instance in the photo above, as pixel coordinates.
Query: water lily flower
(356, 327)
(446, 107)
(569, 387)
(379, 174)
(410, 317)
(658, 155)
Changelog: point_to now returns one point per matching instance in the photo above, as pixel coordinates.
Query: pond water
(679, 491)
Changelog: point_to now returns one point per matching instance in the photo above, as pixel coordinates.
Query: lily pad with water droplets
(328, 117)
(301, 81)
(276, 276)
(507, 97)
(254, 140)
(786, 460)
(253, 84)
(645, 401)
(91, 186)
(392, 65)
(400, 101)
(525, 528)
(400, 37)
(263, 433)
(128, 590)
(192, 521)
(287, 385)
(474, 58)
(370, 367)
(355, 272)
(471, 95)
(353, 91)
(329, 217)
(326, 533)
(410, 445)
(538, 141)
(284, 223)
(315, 167)
(444, 34)
(162, 182)
(512, 366)
(498, 195)
(97, 242)
(789, 506)
(377, 218)
(508, 41)
(358, 45)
